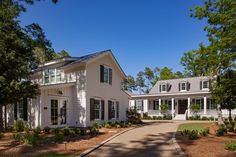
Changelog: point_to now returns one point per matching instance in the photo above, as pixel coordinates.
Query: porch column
(159, 106)
(189, 106)
(145, 106)
(205, 105)
(172, 107)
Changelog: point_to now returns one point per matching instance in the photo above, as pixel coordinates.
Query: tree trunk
(220, 118)
(1, 118)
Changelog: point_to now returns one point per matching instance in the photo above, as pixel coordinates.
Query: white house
(75, 91)
(178, 94)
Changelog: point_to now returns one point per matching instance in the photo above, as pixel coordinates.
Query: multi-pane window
(53, 76)
(113, 110)
(139, 105)
(54, 112)
(106, 75)
(155, 105)
(183, 86)
(163, 88)
(21, 110)
(63, 112)
(205, 85)
(97, 109)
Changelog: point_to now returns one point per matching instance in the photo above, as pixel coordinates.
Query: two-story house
(75, 91)
(178, 94)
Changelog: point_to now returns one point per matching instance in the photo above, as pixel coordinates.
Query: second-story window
(53, 76)
(105, 74)
(183, 86)
(205, 85)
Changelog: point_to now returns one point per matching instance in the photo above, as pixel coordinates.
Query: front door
(182, 106)
(58, 111)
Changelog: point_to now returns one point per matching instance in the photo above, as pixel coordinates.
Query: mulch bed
(209, 146)
(9, 148)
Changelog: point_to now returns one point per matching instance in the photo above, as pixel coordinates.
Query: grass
(55, 155)
(193, 126)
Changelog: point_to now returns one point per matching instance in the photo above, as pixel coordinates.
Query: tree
(129, 84)
(16, 54)
(166, 73)
(217, 58)
(62, 54)
(195, 108)
(179, 74)
(140, 82)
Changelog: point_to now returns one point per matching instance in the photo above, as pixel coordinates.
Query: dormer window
(53, 76)
(164, 87)
(205, 84)
(183, 86)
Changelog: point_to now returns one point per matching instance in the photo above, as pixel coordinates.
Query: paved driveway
(153, 139)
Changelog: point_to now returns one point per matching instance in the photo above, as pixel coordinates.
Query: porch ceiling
(171, 95)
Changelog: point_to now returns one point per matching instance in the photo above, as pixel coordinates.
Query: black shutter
(102, 110)
(179, 86)
(110, 76)
(92, 113)
(169, 87)
(159, 88)
(15, 111)
(200, 85)
(101, 73)
(25, 109)
(188, 86)
(109, 109)
(117, 110)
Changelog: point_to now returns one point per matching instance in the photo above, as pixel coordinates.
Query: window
(53, 76)
(54, 112)
(113, 110)
(63, 112)
(97, 109)
(183, 86)
(204, 84)
(139, 105)
(105, 74)
(155, 105)
(20, 110)
(163, 88)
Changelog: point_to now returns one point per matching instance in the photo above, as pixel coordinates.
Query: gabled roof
(70, 61)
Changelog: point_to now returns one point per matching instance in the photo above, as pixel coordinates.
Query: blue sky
(140, 32)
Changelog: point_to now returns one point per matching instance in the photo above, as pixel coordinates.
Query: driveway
(153, 139)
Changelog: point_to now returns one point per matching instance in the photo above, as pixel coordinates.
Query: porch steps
(180, 117)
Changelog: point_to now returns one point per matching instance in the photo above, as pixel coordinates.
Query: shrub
(195, 108)
(37, 131)
(230, 126)
(205, 132)
(30, 139)
(211, 118)
(66, 131)
(167, 117)
(107, 125)
(18, 125)
(59, 137)
(204, 118)
(129, 124)
(159, 118)
(95, 128)
(190, 118)
(221, 130)
(231, 145)
(133, 116)
(17, 137)
(56, 131)
(77, 131)
(1, 135)
(193, 134)
(164, 109)
(27, 129)
(83, 132)
(46, 130)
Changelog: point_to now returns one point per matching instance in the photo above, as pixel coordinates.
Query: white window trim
(165, 84)
(55, 76)
(60, 100)
(108, 74)
(100, 109)
(207, 84)
(183, 90)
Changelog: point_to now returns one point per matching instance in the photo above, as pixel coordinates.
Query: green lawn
(55, 155)
(193, 126)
